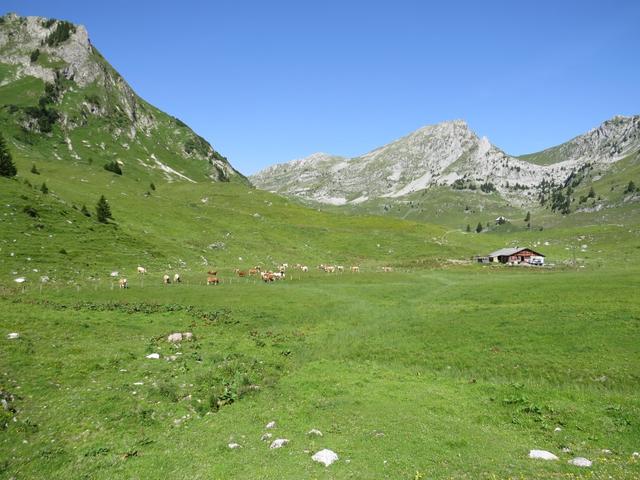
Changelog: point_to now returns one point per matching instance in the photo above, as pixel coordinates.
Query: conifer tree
(34, 170)
(85, 211)
(103, 210)
(468, 227)
(528, 217)
(44, 189)
(7, 167)
(479, 227)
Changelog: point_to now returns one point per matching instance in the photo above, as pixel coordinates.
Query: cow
(213, 280)
(241, 273)
(340, 268)
(279, 275)
(387, 269)
(329, 268)
(268, 277)
(283, 267)
(212, 273)
(176, 278)
(142, 270)
(355, 269)
(166, 279)
(122, 283)
(253, 271)
(304, 268)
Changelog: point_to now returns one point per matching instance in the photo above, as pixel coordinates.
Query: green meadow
(420, 373)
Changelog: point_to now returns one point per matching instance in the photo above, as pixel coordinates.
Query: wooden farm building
(514, 256)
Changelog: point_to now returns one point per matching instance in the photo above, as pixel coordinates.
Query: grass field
(446, 373)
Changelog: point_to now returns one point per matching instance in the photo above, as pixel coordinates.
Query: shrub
(44, 189)
(29, 210)
(7, 167)
(113, 167)
(34, 55)
(103, 210)
(488, 187)
(631, 187)
(62, 251)
(152, 186)
(479, 228)
(85, 211)
(34, 170)
(61, 34)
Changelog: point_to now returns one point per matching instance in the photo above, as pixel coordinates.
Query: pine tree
(468, 227)
(34, 170)
(592, 193)
(44, 189)
(152, 186)
(630, 188)
(528, 217)
(7, 167)
(85, 211)
(103, 210)
(479, 227)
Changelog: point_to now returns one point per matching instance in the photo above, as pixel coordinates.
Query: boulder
(13, 336)
(174, 337)
(542, 455)
(154, 356)
(325, 456)
(279, 443)
(233, 446)
(271, 424)
(580, 462)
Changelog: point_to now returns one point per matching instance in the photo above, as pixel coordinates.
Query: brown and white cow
(304, 268)
(355, 269)
(166, 279)
(122, 283)
(142, 270)
(176, 278)
(213, 280)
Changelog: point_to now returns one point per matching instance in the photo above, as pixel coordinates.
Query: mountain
(449, 154)
(60, 97)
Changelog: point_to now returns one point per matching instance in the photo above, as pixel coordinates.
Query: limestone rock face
(441, 154)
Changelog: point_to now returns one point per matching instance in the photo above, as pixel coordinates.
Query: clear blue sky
(269, 81)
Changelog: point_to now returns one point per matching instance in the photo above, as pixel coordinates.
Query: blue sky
(267, 82)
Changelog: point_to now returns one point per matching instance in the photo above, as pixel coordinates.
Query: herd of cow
(266, 276)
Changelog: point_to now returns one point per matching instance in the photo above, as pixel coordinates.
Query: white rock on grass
(635, 454)
(233, 446)
(20, 280)
(279, 443)
(174, 337)
(271, 424)
(557, 429)
(580, 462)
(314, 431)
(188, 336)
(13, 336)
(542, 455)
(325, 456)
(154, 356)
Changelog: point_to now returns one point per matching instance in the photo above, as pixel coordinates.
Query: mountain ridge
(449, 154)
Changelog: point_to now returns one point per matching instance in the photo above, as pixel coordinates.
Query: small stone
(271, 424)
(233, 446)
(542, 455)
(635, 454)
(174, 337)
(154, 356)
(314, 431)
(580, 462)
(13, 336)
(325, 456)
(606, 451)
(138, 383)
(266, 437)
(557, 429)
(279, 443)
